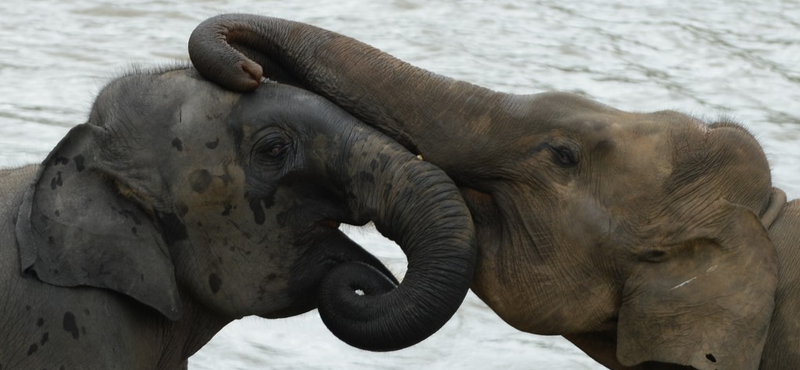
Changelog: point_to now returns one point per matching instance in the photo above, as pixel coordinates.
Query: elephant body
(651, 240)
(179, 207)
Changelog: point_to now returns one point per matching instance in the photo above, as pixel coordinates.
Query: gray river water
(734, 58)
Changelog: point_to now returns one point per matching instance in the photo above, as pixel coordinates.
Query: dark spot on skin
(45, 338)
(214, 282)
(56, 181)
(40, 322)
(51, 240)
(61, 160)
(83, 330)
(212, 144)
(227, 210)
(61, 368)
(134, 231)
(366, 177)
(232, 249)
(711, 358)
(79, 161)
(27, 308)
(385, 160)
(271, 277)
(173, 229)
(199, 180)
(33, 349)
(373, 164)
(387, 191)
(141, 277)
(177, 144)
(182, 209)
(58, 213)
(258, 212)
(70, 326)
(87, 312)
(226, 178)
(129, 215)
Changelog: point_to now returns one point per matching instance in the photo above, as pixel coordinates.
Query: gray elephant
(650, 240)
(179, 207)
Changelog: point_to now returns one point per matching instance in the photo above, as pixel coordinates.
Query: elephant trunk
(416, 107)
(415, 204)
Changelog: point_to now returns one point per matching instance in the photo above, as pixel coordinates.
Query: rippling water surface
(733, 58)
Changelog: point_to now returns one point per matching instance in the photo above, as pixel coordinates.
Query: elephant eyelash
(272, 152)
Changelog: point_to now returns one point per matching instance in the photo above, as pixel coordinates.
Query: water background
(733, 58)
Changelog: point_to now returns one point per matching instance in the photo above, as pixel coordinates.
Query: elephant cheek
(215, 190)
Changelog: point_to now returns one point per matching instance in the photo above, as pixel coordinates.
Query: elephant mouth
(481, 204)
(316, 231)
(328, 224)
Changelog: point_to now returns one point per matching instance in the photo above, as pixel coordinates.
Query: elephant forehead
(641, 151)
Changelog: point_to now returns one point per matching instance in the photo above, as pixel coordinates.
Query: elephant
(178, 207)
(650, 240)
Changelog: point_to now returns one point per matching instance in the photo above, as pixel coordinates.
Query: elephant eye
(276, 150)
(272, 148)
(564, 156)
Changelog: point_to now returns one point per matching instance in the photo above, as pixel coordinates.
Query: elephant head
(175, 188)
(590, 220)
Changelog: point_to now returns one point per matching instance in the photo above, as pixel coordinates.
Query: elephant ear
(709, 301)
(74, 228)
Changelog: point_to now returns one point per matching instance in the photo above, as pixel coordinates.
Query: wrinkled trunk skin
(401, 100)
(415, 204)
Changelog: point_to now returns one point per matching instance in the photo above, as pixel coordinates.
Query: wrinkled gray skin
(179, 207)
(640, 237)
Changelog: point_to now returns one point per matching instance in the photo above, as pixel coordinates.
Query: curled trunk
(418, 108)
(415, 204)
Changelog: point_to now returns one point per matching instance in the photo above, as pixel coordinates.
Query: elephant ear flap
(708, 303)
(74, 228)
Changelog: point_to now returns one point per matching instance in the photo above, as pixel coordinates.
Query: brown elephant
(650, 240)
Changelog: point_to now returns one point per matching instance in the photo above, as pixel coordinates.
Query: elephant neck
(178, 340)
